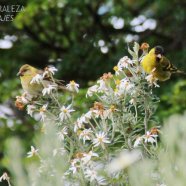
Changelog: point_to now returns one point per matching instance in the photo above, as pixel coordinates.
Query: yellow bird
(34, 88)
(157, 64)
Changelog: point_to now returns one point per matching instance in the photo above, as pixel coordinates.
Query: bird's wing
(169, 67)
(165, 63)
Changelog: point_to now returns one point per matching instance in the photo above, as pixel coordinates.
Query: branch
(45, 44)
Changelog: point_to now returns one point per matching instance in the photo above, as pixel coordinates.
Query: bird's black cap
(159, 50)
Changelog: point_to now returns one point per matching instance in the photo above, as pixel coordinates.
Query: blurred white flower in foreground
(32, 153)
(73, 86)
(125, 159)
(60, 151)
(65, 113)
(48, 90)
(100, 139)
(36, 79)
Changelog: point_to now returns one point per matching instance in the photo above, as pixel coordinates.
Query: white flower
(85, 134)
(25, 98)
(33, 152)
(91, 174)
(5, 177)
(117, 69)
(30, 109)
(78, 125)
(124, 62)
(42, 112)
(102, 86)
(62, 133)
(124, 160)
(151, 138)
(138, 142)
(152, 80)
(92, 90)
(49, 70)
(126, 85)
(132, 101)
(87, 156)
(22, 99)
(37, 79)
(65, 113)
(100, 139)
(75, 164)
(88, 116)
(73, 86)
(85, 118)
(49, 89)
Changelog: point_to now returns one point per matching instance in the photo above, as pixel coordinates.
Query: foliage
(169, 168)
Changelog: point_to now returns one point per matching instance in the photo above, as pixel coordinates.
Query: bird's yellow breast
(148, 63)
(32, 89)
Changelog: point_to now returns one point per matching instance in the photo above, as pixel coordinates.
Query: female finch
(34, 80)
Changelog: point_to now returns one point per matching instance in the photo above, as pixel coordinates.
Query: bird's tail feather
(174, 70)
(179, 72)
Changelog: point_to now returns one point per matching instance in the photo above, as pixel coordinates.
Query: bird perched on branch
(34, 80)
(158, 65)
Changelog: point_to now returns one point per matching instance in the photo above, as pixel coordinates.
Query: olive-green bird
(28, 72)
(157, 64)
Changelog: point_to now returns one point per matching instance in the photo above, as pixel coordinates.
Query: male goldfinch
(158, 65)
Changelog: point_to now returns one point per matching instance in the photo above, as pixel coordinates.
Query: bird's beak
(159, 56)
(19, 74)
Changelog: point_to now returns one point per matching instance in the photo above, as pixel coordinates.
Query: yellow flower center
(72, 82)
(100, 139)
(115, 68)
(42, 110)
(112, 108)
(118, 82)
(65, 110)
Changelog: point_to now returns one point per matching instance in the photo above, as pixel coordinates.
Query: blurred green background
(84, 39)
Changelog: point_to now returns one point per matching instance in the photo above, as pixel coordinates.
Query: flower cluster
(119, 119)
